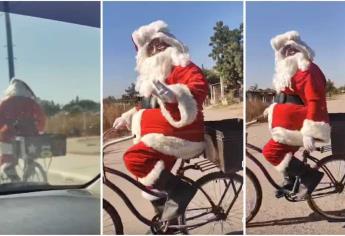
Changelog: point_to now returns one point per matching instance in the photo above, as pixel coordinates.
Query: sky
(190, 22)
(58, 60)
(320, 24)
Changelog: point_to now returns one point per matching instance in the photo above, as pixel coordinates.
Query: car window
(53, 136)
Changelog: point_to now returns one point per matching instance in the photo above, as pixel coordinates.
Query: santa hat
(157, 29)
(19, 88)
(291, 38)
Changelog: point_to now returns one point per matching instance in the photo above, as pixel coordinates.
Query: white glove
(308, 143)
(163, 92)
(120, 123)
(266, 112)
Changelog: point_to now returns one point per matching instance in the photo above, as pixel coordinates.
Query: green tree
(50, 108)
(130, 93)
(227, 52)
(211, 76)
(77, 106)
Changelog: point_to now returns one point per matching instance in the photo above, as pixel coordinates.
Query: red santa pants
(275, 152)
(141, 159)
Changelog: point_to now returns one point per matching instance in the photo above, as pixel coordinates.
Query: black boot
(310, 177)
(286, 187)
(179, 192)
(158, 205)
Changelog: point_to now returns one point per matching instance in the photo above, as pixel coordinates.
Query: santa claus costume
(20, 115)
(173, 130)
(299, 115)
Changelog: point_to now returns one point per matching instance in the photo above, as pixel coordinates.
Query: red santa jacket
(289, 122)
(176, 129)
(20, 116)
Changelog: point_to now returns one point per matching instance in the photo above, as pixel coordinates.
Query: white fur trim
(136, 125)
(152, 197)
(316, 129)
(286, 136)
(6, 148)
(172, 146)
(19, 88)
(186, 105)
(269, 113)
(128, 115)
(154, 174)
(292, 38)
(281, 167)
(144, 34)
(157, 29)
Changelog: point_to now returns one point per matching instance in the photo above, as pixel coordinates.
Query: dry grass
(254, 109)
(74, 125)
(111, 111)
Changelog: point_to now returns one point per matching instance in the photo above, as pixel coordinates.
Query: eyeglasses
(289, 50)
(156, 45)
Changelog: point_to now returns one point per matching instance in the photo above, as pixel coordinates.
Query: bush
(112, 110)
(74, 124)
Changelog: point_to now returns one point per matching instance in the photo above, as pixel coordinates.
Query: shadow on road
(313, 217)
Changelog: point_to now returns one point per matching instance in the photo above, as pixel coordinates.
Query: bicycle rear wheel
(112, 223)
(217, 205)
(253, 195)
(328, 199)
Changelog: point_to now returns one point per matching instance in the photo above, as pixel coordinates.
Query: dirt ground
(278, 216)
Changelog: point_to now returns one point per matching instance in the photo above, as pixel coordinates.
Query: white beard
(286, 68)
(157, 68)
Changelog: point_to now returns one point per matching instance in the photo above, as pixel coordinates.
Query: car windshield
(50, 109)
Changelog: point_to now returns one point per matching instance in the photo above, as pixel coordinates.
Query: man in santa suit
(169, 123)
(299, 115)
(20, 115)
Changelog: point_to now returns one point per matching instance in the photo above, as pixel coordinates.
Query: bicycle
(320, 201)
(27, 168)
(208, 209)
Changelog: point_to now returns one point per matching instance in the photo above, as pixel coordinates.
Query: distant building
(264, 95)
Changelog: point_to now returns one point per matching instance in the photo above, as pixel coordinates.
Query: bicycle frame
(306, 156)
(202, 166)
(261, 166)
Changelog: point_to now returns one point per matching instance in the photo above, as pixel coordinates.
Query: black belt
(148, 103)
(286, 98)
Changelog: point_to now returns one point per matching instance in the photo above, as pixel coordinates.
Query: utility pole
(10, 56)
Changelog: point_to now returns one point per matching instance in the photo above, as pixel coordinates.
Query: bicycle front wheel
(112, 223)
(217, 207)
(253, 195)
(329, 196)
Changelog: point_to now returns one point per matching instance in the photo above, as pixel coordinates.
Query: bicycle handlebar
(119, 140)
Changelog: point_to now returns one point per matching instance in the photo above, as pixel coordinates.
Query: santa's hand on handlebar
(163, 92)
(309, 143)
(120, 123)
